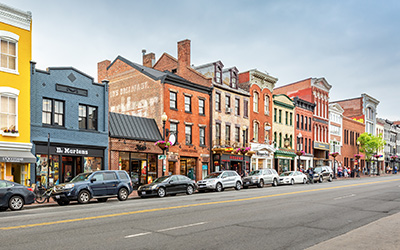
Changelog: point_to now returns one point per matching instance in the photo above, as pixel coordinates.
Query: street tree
(370, 145)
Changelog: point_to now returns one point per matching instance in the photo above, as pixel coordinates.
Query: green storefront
(284, 160)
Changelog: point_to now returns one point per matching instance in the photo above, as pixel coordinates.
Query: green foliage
(370, 144)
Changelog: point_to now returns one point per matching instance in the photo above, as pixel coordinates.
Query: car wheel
(102, 199)
(320, 179)
(16, 203)
(330, 178)
(123, 194)
(189, 190)
(261, 184)
(304, 181)
(292, 182)
(63, 202)
(83, 197)
(218, 188)
(238, 186)
(161, 192)
(275, 183)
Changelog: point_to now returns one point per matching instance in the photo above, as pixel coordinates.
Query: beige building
(283, 131)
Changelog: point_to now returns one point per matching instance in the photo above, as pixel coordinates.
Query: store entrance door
(136, 173)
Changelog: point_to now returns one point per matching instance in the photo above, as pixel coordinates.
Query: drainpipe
(211, 130)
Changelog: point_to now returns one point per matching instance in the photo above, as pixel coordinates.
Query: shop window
(91, 164)
(52, 112)
(87, 117)
(41, 170)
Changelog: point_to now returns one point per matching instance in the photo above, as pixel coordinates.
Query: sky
(353, 44)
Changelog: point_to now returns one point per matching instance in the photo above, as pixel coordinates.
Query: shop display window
(42, 168)
(91, 164)
(152, 172)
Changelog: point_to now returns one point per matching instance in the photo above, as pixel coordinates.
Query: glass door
(136, 173)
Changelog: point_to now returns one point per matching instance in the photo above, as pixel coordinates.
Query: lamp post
(244, 145)
(334, 154)
(394, 160)
(48, 160)
(358, 159)
(299, 148)
(164, 119)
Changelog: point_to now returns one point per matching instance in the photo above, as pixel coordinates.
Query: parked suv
(218, 181)
(323, 173)
(260, 177)
(100, 185)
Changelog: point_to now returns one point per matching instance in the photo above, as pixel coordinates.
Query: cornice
(15, 17)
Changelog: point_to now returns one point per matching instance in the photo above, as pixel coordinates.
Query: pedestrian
(345, 172)
(310, 172)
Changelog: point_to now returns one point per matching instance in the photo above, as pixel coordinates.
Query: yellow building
(283, 131)
(15, 54)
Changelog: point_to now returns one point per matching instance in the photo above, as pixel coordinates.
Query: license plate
(247, 182)
(144, 192)
(57, 197)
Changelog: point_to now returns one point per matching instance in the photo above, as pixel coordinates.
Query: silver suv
(260, 177)
(218, 181)
(323, 173)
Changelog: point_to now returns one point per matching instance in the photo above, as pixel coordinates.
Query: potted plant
(243, 150)
(358, 156)
(334, 154)
(163, 144)
(393, 157)
(300, 152)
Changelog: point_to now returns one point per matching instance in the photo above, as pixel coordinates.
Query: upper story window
(173, 128)
(228, 104)
(218, 133)
(234, 80)
(370, 114)
(237, 107)
(188, 104)
(218, 101)
(246, 108)
(287, 118)
(255, 131)
(280, 116)
(237, 134)
(87, 117)
(266, 104)
(218, 74)
(9, 108)
(202, 133)
(228, 134)
(172, 100)
(255, 102)
(188, 134)
(52, 112)
(298, 121)
(275, 111)
(8, 51)
(202, 107)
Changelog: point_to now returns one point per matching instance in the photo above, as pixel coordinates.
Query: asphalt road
(284, 217)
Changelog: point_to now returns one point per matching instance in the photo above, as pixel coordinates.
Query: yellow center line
(186, 206)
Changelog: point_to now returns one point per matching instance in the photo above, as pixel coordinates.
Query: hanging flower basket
(393, 157)
(334, 154)
(378, 156)
(358, 156)
(300, 153)
(163, 144)
(242, 150)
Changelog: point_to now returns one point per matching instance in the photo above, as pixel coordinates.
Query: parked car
(292, 177)
(100, 185)
(14, 195)
(168, 185)
(218, 181)
(260, 177)
(323, 173)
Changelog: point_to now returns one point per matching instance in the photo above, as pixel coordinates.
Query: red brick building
(352, 129)
(146, 92)
(314, 90)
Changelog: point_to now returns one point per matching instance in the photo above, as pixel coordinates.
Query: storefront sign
(12, 159)
(71, 151)
(162, 157)
(323, 146)
(205, 167)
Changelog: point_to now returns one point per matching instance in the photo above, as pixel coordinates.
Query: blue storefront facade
(69, 122)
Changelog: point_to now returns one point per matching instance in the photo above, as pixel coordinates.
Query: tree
(370, 145)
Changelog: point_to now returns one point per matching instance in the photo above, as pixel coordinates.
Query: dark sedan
(168, 185)
(14, 195)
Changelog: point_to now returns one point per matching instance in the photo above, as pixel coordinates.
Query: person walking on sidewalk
(310, 173)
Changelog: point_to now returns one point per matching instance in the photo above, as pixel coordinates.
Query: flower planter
(163, 144)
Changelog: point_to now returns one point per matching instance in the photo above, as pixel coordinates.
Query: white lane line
(135, 235)
(190, 225)
(343, 197)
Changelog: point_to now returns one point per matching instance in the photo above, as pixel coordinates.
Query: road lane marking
(174, 228)
(188, 206)
(136, 235)
(344, 197)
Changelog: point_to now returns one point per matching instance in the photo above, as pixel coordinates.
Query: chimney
(183, 55)
(148, 59)
(102, 70)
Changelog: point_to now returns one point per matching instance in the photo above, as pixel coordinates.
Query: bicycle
(42, 194)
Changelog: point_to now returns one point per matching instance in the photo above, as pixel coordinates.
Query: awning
(284, 153)
(17, 156)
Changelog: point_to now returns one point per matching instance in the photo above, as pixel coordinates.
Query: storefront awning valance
(284, 153)
(17, 156)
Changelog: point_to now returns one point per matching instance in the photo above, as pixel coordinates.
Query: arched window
(255, 131)
(255, 101)
(266, 104)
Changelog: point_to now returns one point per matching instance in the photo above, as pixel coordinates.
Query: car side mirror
(92, 180)
(171, 181)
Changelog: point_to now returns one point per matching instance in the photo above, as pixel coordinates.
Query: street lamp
(358, 159)
(164, 119)
(299, 149)
(244, 146)
(334, 154)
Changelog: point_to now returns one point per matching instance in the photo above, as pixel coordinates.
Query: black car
(14, 195)
(168, 185)
(100, 185)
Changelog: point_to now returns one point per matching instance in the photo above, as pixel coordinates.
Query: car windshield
(161, 179)
(81, 177)
(212, 175)
(318, 170)
(287, 174)
(255, 172)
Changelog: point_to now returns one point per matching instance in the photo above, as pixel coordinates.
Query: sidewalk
(380, 234)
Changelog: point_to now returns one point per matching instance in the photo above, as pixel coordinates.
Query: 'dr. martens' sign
(71, 151)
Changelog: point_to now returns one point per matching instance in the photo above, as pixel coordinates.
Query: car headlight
(69, 186)
(255, 178)
(153, 187)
